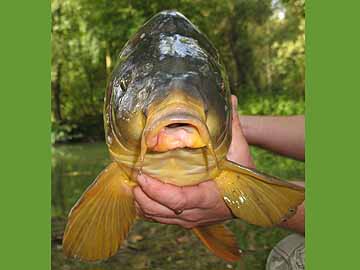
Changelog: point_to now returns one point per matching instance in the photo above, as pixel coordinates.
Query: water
(74, 167)
(151, 245)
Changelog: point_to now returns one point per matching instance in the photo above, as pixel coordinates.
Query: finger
(150, 207)
(175, 221)
(198, 215)
(239, 149)
(139, 212)
(178, 198)
(236, 126)
(188, 224)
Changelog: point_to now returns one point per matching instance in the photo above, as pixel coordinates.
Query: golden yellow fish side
(181, 167)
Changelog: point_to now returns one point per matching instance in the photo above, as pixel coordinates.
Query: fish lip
(176, 117)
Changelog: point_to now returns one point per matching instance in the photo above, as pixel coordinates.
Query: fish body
(167, 114)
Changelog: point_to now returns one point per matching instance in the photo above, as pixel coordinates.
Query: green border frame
(332, 134)
(25, 135)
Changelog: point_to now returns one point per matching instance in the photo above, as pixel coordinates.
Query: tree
(262, 52)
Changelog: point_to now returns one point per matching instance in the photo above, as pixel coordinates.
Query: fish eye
(123, 84)
(124, 81)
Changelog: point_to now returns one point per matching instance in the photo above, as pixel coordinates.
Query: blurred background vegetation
(261, 43)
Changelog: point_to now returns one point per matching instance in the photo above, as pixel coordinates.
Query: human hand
(194, 205)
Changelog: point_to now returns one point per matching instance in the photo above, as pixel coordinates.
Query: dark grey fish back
(167, 51)
(168, 23)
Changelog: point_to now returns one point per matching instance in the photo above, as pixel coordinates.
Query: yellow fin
(219, 240)
(257, 198)
(100, 220)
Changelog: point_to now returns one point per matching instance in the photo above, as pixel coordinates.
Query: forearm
(283, 135)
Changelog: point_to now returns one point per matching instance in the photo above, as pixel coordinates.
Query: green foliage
(271, 104)
(63, 132)
(261, 43)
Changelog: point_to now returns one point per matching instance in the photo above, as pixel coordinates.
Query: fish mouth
(173, 131)
(176, 125)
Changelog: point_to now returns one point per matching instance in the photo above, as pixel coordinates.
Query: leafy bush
(270, 104)
(64, 132)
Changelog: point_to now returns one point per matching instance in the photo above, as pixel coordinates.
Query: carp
(167, 114)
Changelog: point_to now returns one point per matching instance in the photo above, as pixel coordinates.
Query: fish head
(167, 92)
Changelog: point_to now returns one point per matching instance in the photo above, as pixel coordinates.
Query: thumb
(239, 149)
(237, 134)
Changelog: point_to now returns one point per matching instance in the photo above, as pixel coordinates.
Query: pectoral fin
(101, 219)
(219, 240)
(257, 198)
